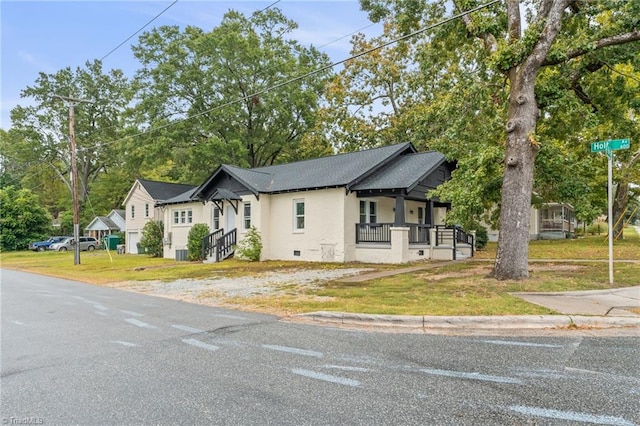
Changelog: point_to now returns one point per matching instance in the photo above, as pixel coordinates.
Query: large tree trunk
(620, 202)
(522, 147)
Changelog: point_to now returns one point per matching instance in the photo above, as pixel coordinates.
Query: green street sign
(611, 145)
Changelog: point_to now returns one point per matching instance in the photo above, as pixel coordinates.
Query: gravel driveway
(216, 290)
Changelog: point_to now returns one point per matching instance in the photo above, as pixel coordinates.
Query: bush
(194, 240)
(482, 238)
(250, 247)
(598, 228)
(151, 240)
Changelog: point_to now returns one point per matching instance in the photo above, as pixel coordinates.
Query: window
(216, 218)
(421, 215)
(133, 211)
(368, 211)
(181, 217)
(146, 210)
(247, 215)
(298, 215)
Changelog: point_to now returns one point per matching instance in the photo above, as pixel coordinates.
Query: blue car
(44, 245)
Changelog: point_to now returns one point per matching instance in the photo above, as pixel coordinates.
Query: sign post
(610, 146)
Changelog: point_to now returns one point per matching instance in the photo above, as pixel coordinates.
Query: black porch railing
(373, 232)
(449, 236)
(454, 235)
(225, 245)
(419, 234)
(209, 244)
(381, 233)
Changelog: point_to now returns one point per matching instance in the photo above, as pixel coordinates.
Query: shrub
(250, 247)
(194, 240)
(598, 228)
(151, 240)
(482, 238)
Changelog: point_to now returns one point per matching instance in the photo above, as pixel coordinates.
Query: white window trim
(244, 218)
(295, 215)
(213, 218)
(367, 210)
(182, 217)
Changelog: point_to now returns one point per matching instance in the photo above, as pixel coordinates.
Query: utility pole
(71, 103)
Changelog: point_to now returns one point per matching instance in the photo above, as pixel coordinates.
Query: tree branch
(599, 44)
(490, 42)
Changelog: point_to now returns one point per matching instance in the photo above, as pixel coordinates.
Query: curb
(473, 322)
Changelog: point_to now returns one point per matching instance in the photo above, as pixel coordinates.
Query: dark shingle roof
(334, 171)
(405, 172)
(161, 191)
(185, 197)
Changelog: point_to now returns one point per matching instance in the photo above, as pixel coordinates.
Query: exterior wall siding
(176, 236)
(138, 200)
(322, 238)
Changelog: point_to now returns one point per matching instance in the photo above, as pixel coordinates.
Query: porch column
(429, 215)
(399, 219)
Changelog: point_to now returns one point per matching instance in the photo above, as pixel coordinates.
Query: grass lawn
(453, 289)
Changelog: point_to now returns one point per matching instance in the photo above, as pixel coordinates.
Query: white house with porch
(366, 206)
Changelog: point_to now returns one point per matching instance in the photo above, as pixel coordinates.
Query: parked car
(44, 245)
(86, 243)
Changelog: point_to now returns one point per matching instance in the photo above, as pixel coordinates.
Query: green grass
(453, 289)
(587, 248)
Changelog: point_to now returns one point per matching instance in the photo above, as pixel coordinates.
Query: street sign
(611, 145)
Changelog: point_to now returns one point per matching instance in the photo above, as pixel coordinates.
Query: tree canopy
(507, 90)
(239, 86)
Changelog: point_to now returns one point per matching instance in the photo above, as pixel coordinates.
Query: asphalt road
(79, 354)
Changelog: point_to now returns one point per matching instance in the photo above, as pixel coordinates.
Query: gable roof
(185, 197)
(406, 172)
(342, 170)
(119, 212)
(102, 223)
(159, 191)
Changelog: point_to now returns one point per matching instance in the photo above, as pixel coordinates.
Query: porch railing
(373, 232)
(209, 243)
(225, 245)
(419, 234)
(381, 233)
(454, 235)
(556, 225)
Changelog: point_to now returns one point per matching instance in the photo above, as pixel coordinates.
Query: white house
(140, 206)
(106, 225)
(551, 221)
(368, 206)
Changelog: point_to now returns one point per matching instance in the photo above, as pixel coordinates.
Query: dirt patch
(218, 289)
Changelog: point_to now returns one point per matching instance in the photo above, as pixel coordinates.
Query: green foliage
(598, 228)
(151, 240)
(23, 219)
(482, 238)
(40, 132)
(220, 78)
(194, 240)
(250, 247)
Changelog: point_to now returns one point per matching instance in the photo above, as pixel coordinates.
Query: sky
(47, 36)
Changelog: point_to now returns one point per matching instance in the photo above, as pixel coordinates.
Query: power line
(272, 4)
(310, 73)
(142, 28)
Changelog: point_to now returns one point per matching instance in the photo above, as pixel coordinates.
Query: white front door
(229, 219)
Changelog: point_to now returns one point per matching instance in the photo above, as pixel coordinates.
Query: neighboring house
(106, 225)
(368, 206)
(551, 221)
(140, 207)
